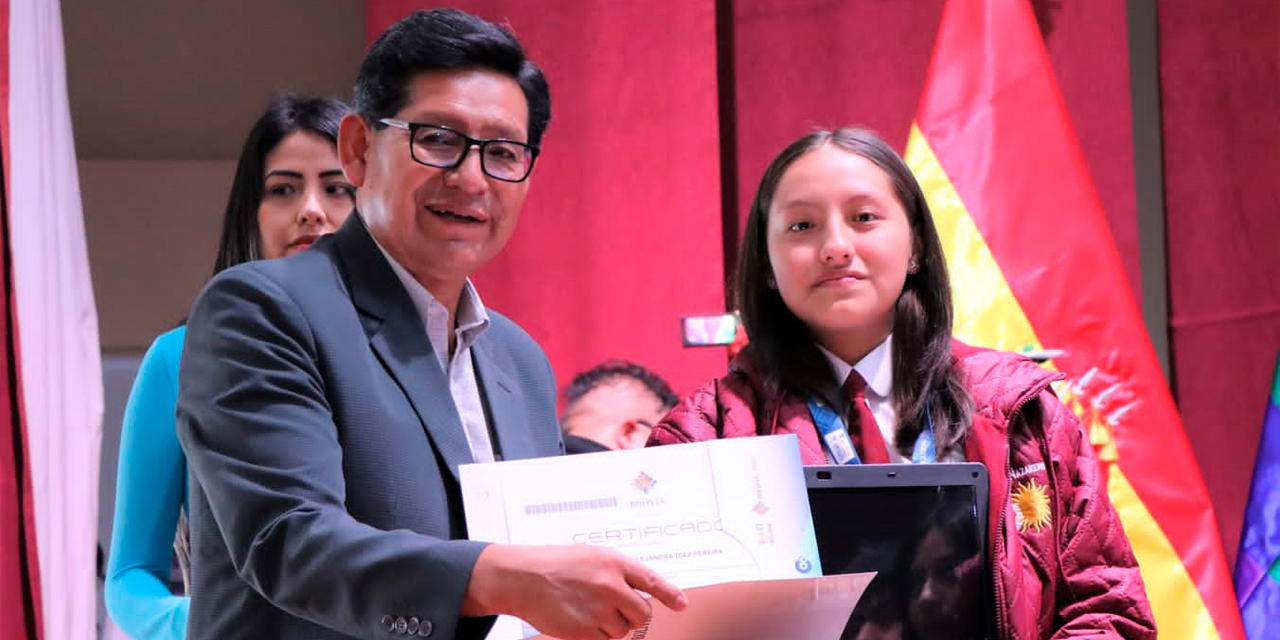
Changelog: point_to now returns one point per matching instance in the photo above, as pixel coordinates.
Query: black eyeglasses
(445, 148)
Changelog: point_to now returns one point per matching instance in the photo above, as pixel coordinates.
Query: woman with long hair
(288, 190)
(842, 286)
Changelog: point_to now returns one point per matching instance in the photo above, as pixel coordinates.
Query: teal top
(151, 488)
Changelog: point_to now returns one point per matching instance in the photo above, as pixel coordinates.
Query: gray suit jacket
(324, 448)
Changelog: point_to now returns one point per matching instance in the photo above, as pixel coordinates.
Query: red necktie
(862, 424)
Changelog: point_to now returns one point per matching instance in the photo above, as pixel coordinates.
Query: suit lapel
(398, 338)
(506, 406)
(423, 381)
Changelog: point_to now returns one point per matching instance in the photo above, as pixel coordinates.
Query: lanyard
(836, 437)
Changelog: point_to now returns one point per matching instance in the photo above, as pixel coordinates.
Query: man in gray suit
(327, 399)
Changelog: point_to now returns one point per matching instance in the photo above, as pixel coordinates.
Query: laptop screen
(923, 537)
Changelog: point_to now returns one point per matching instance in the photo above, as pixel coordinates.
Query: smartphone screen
(708, 330)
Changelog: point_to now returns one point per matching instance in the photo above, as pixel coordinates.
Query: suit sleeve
(1101, 594)
(150, 481)
(261, 443)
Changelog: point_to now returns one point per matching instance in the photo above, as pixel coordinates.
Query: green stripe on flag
(1275, 385)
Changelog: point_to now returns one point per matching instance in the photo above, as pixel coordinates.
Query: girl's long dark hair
(926, 382)
(286, 114)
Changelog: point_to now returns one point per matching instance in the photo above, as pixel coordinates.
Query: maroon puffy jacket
(1067, 572)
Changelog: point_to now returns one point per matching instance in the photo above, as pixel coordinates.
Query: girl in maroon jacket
(842, 286)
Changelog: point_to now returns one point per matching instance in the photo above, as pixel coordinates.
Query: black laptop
(922, 528)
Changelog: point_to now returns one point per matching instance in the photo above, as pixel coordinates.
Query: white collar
(876, 367)
(471, 320)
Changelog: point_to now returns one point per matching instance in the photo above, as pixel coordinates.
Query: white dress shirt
(877, 369)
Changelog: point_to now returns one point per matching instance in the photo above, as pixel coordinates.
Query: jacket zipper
(1001, 609)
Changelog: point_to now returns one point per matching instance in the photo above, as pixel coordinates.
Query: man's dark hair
(286, 114)
(445, 39)
(612, 370)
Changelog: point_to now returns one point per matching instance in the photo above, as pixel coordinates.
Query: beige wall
(162, 94)
(153, 228)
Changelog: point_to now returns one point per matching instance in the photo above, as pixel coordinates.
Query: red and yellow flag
(1033, 266)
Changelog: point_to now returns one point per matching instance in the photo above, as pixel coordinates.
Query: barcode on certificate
(571, 505)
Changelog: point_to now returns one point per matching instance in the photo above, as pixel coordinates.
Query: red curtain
(621, 232)
(19, 582)
(1220, 86)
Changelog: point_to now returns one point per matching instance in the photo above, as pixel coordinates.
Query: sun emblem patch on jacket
(1031, 506)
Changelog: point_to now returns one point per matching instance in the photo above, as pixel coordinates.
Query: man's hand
(570, 592)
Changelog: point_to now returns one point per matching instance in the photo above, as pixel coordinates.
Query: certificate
(699, 513)
(704, 513)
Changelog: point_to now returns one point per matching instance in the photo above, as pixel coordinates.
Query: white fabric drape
(57, 321)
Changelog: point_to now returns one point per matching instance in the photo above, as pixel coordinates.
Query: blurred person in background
(613, 405)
